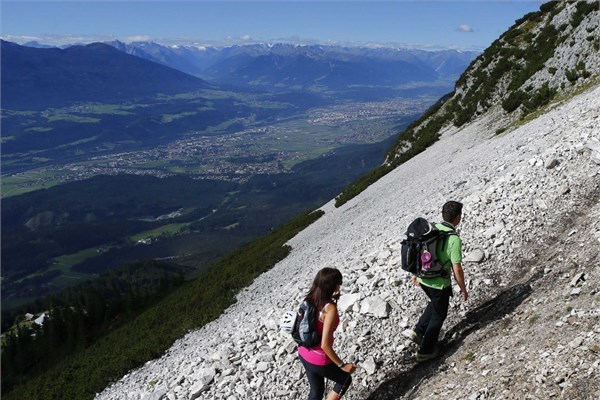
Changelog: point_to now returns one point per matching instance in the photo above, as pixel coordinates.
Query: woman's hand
(349, 367)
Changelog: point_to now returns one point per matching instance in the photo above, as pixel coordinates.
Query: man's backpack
(304, 330)
(419, 249)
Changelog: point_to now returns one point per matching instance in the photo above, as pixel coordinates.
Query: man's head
(452, 212)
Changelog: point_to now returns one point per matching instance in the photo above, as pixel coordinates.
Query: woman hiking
(322, 361)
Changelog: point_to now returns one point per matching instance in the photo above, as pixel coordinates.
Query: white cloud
(465, 28)
(246, 37)
(137, 38)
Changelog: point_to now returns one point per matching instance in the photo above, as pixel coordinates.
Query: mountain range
(98, 72)
(283, 66)
(130, 96)
(34, 78)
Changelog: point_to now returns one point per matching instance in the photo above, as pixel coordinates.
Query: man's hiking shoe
(424, 357)
(415, 337)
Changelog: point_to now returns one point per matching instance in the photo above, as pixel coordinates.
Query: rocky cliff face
(531, 234)
(544, 56)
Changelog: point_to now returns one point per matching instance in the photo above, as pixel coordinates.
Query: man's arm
(459, 275)
(414, 280)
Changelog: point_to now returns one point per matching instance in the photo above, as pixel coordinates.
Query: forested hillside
(88, 352)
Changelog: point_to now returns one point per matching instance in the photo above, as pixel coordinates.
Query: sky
(468, 25)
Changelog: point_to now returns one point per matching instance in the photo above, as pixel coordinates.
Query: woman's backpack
(304, 330)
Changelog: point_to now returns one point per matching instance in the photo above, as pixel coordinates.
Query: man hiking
(439, 289)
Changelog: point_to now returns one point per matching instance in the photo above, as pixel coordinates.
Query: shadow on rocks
(493, 310)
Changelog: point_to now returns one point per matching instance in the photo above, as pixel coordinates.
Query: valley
(269, 173)
(216, 153)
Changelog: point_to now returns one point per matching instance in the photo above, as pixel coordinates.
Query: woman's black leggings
(316, 375)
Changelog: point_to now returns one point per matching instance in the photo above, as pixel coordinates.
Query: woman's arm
(329, 316)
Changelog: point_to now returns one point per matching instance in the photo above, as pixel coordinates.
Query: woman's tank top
(316, 355)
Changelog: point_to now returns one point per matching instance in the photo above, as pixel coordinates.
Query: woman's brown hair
(323, 287)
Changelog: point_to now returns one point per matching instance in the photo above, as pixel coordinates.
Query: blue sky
(418, 23)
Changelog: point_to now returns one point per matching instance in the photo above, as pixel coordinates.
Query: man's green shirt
(448, 253)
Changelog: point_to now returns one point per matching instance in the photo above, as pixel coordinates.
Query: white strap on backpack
(321, 312)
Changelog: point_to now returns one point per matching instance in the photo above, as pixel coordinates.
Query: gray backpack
(304, 330)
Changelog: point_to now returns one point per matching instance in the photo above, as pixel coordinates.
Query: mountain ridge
(546, 54)
(267, 66)
(523, 70)
(95, 72)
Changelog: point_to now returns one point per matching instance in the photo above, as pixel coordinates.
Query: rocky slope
(530, 328)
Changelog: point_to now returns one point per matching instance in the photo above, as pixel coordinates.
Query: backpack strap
(449, 225)
(321, 312)
(444, 240)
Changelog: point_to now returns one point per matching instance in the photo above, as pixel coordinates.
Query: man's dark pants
(432, 319)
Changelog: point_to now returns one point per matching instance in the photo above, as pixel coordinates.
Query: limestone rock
(476, 256)
(375, 306)
(552, 163)
(347, 301)
(369, 366)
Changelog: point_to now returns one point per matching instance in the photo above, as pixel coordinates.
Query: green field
(29, 182)
(166, 118)
(240, 141)
(60, 116)
(170, 229)
(65, 262)
(110, 109)
(39, 129)
(294, 140)
(66, 279)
